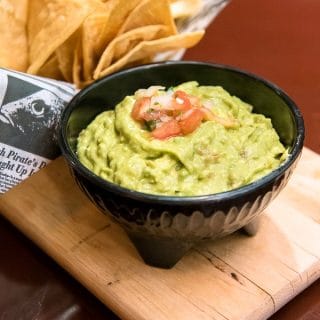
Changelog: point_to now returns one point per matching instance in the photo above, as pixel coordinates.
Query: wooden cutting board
(236, 277)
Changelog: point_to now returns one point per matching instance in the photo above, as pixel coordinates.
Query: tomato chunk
(192, 121)
(167, 130)
(140, 107)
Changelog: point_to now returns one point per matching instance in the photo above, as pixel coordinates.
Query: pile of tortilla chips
(82, 40)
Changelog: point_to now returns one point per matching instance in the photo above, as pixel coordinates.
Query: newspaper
(30, 109)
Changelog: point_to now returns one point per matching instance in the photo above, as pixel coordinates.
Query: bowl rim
(232, 194)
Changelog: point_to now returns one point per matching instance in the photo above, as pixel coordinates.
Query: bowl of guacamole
(181, 152)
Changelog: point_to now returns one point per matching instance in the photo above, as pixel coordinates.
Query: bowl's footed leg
(159, 252)
(252, 227)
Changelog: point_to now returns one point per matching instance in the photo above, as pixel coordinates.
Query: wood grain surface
(236, 277)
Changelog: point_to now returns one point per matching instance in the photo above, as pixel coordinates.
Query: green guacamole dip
(211, 159)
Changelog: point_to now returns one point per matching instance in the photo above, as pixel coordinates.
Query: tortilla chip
(66, 55)
(119, 12)
(20, 9)
(93, 41)
(84, 83)
(50, 69)
(81, 40)
(150, 12)
(52, 23)
(125, 42)
(149, 48)
(99, 28)
(13, 40)
(77, 77)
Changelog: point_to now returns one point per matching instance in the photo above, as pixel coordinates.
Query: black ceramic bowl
(163, 228)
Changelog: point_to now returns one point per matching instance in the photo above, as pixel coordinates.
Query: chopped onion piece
(162, 101)
(165, 118)
(149, 92)
(208, 104)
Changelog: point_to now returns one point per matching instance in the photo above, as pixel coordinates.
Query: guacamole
(230, 149)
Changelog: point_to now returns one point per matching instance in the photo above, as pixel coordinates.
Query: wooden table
(274, 39)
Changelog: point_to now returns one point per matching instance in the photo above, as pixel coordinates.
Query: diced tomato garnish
(192, 121)
(171, 114)
(167, 130)
(140, 107)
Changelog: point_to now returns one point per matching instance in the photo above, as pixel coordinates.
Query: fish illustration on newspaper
(30, 109)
